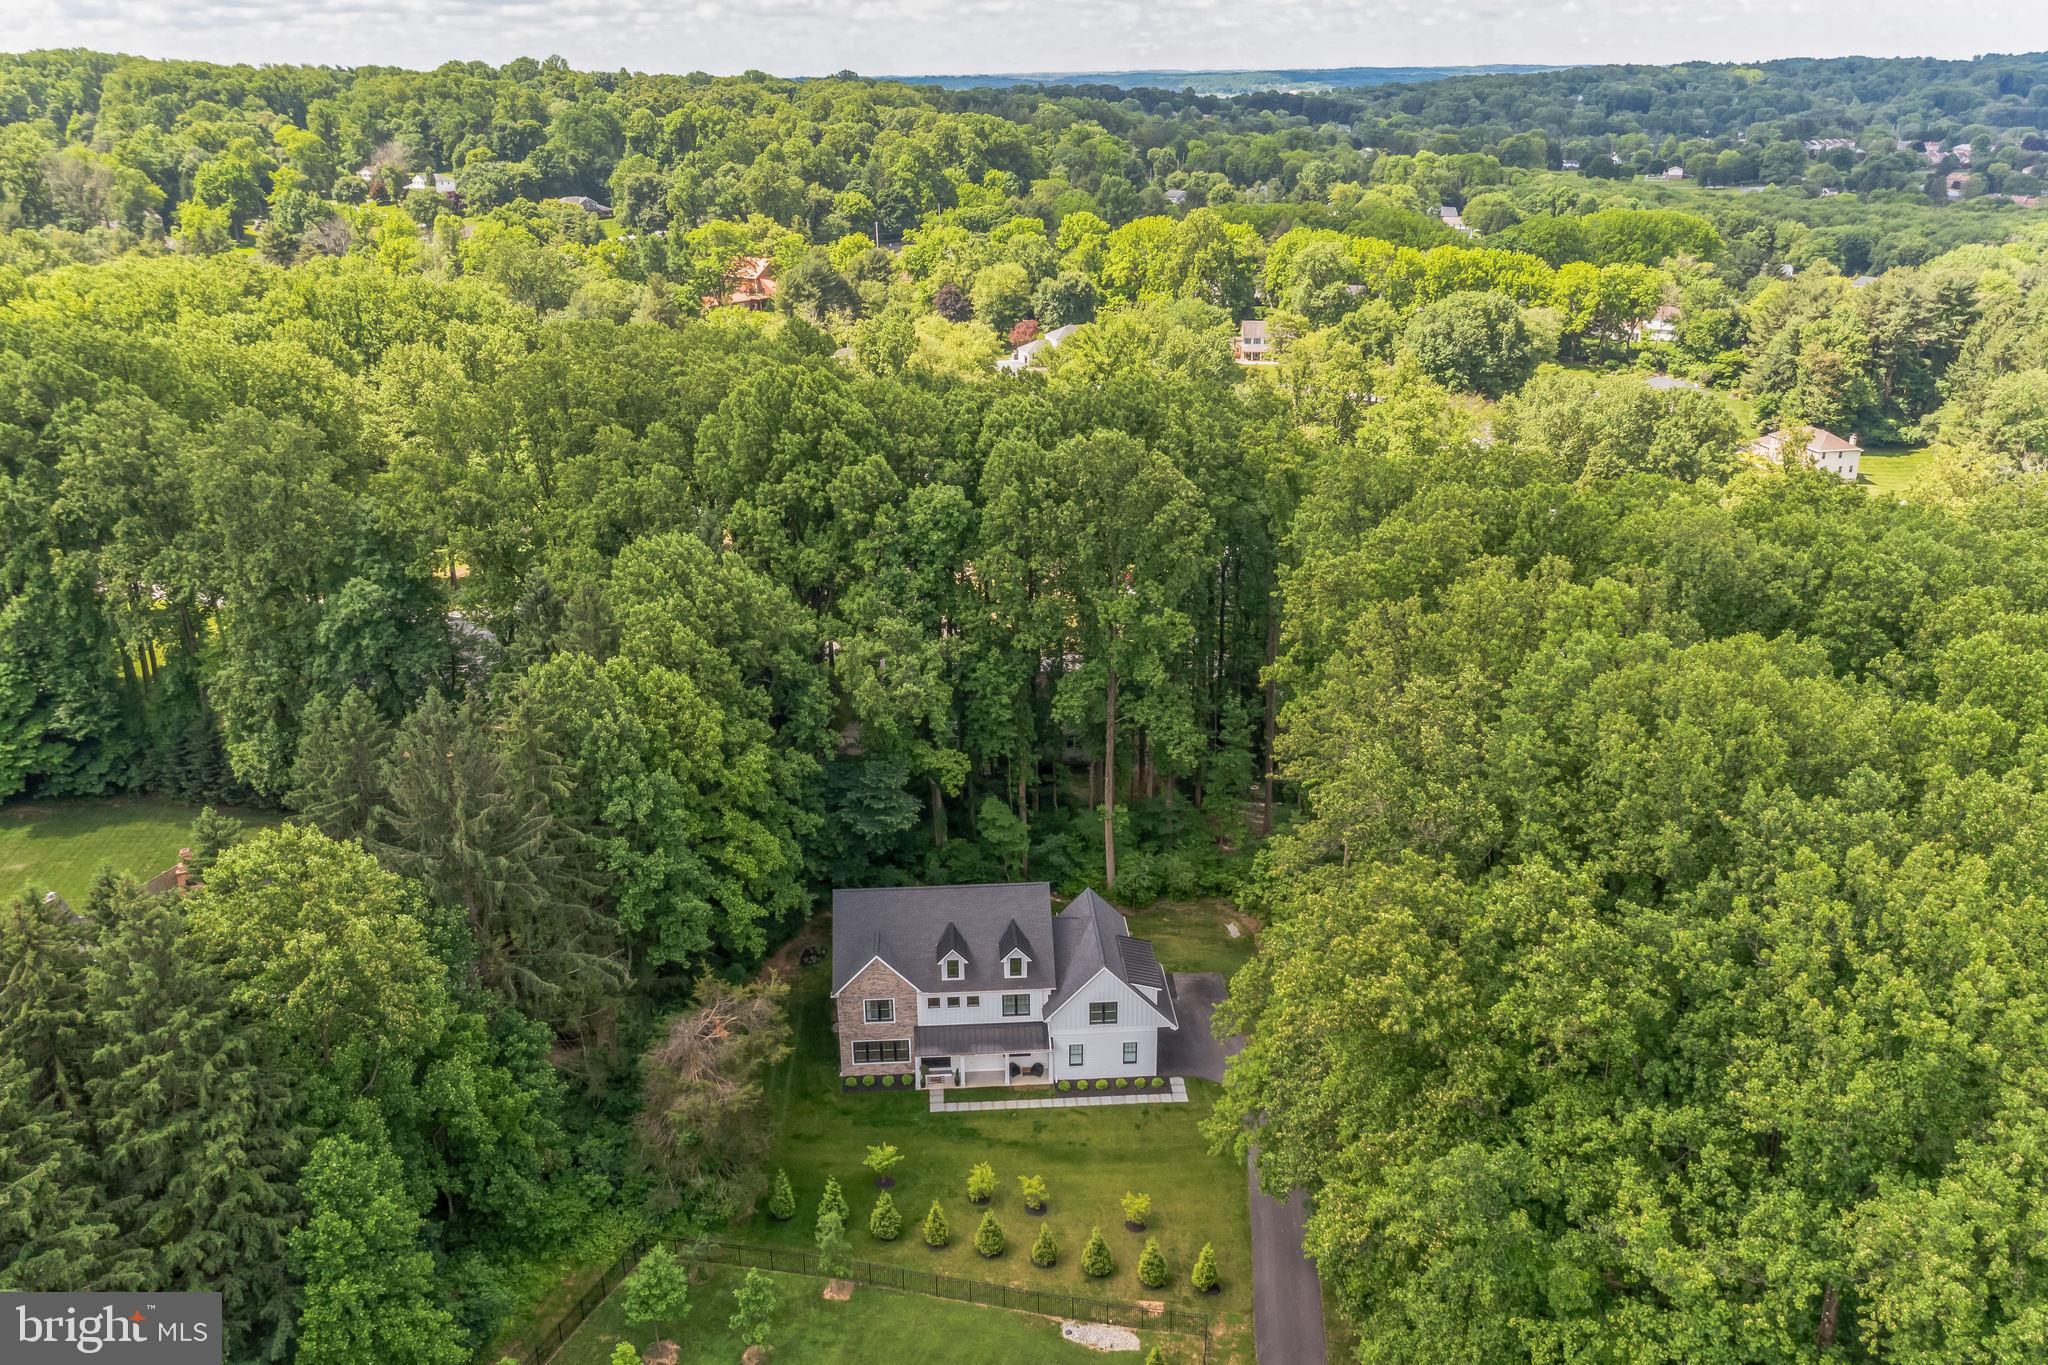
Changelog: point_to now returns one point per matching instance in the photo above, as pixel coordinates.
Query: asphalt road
(1287, 1295)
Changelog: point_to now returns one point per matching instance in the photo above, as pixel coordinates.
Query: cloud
(807, 37)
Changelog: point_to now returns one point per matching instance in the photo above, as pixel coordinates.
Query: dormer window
(1014, 965)
(953, 969)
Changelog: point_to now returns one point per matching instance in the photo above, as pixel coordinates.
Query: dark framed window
(1102, 1012)
(886, 1050)
(1014, 1005)
(953, 969)
(1013, 965)
(974, 1002)
(1073, 1054)
(931, 1002)
(880, 1011)
(1130, 1054)
(952, 1002)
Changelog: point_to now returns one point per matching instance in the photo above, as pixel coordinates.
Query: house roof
(1014, 941)
(1090, 936)
(968, 1038)
(906, 927)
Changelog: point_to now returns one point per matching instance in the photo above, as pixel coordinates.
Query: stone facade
(876, 982)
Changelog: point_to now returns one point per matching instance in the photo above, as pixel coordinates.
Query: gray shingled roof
(1015, 941)
(960, 1039)
(903, 925)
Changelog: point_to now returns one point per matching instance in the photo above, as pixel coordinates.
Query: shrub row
(1122, 1083)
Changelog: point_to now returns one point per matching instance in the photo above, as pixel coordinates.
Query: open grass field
(1088, 1158)
(1895, 471)
(874, 1325)
(1189, 936)
(59, 845)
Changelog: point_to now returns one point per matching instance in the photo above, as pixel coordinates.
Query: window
(1130, 1054)
(1073, 1054)
(953, 969)
(974, 1002)
(1014, 1005)
(1013, 965)
(931, 1002)
(888, 1050)
(880, 1011)
(952, 1002)
(1104, 1013)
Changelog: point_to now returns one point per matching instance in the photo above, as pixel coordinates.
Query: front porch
(970, 1055)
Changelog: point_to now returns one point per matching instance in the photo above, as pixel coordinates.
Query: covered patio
(982, 1054)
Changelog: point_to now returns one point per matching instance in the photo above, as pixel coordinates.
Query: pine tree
(1096, 1262)
(834, 1251)
(1155, 1356)
(988, 1238)
(212, 835)
(782, 1203)
(885, 1222)
(338, 779)
(832, 1201)
(937, 1231)
(1044, 1252)
(1152, 1265)
(1204, 1276)
(196, 1131)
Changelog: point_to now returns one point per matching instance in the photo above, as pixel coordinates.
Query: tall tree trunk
(938, 814)
(1830, 1310)
(1272, 697)
(1109, 787)
(1024, 814)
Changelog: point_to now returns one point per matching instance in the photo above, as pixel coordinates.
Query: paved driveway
(1287, 1296)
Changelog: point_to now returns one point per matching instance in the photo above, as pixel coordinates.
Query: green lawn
(1190, 936)
(58, 845)
(875, 1324)
(1088, 1158)
(1895, 471)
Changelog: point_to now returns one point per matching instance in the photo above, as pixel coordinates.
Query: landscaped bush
(834, 1251)
(1032, 1189)
(782, 1201)
(881, 1160)
(1204, 1275)
(981, 1183)
(1152, 1265)
(867, 1080)
(937, 1231)
(1137, 1210)
(1122, 1084)
(888, 1081)
(988, 1238)
(1096, 1262)
(849, 1082)
(1063, 1085)
(1158, 1081)
(885, 1222)
(1044, 1252)
(832, 1201)
(1102, 1084)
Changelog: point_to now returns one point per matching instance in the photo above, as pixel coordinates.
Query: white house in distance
(984, 985)
(1824, 450)
(1025, 356)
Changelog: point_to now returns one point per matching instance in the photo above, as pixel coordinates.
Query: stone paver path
(1176, 1092)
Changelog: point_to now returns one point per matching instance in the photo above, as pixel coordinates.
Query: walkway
(1287, 1294)
(1175, 1093)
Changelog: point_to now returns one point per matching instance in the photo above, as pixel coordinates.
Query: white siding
(990, 1011)
(1103, 1044)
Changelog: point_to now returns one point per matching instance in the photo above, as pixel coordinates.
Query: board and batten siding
(1137, 1021)
(989, 1011)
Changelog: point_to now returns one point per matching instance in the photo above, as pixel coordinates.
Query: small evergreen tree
(832, 1201)
(937, 1231)
(885, 1222)
(1137, 1209)
(1204, 1275)
(622, 1354)
(753, 1305)
(782, 1202)
(988, 1238)
(1155, 1356)
(212, 835)
(1096, 1262)
(834, 1251)
(1152, 1265)
(981, 1183)
(1032, 1188)
(1044, 1252)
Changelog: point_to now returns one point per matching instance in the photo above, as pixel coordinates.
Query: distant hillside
(1224, 82)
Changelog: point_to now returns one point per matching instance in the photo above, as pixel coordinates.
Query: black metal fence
(906, 1279)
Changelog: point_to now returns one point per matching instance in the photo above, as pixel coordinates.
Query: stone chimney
(179, 875)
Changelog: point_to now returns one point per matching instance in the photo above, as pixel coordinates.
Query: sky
(914, 37)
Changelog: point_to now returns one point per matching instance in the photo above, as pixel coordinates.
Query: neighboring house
(587, 204)
(984, 985)
(1665, 383)
(1176, 196)
(748, 284)
(444, 185)
(1452, 218)
(1824, 450)
(1253, 345)
(1660, 326)
(1674, 173)
(1022, 359)
(1570, 164)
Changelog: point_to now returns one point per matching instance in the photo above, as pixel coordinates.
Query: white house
(1824, 450)
(984, 985)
